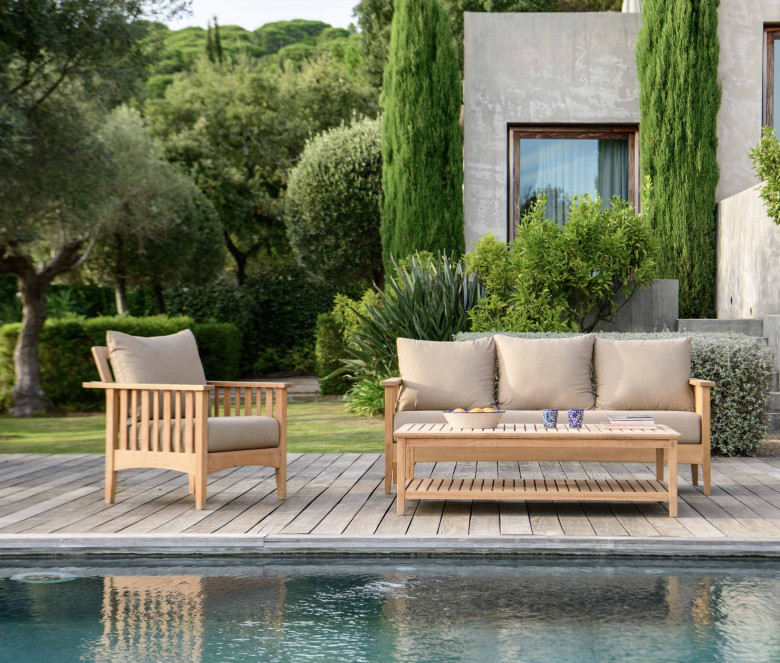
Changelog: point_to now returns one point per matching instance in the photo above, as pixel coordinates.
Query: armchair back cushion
(537, 373)
(643, 375)
(442, 375)
(170, 359)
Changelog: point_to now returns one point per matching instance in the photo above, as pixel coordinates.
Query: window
(564, 162)
(772, 78)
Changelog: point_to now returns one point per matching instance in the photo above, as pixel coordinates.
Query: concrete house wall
(537, 69)
(580, 69)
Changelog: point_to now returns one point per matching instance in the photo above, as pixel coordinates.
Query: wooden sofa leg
(389, 467)
(110, 485)
(659, 464)
(706, 471)
(192, 484)
(694, 474)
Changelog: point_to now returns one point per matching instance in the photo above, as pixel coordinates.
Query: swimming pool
(391, 609)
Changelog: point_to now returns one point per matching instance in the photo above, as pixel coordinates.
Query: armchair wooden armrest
(695, 382)
(392, 390)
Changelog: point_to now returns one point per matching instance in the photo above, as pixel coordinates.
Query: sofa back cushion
(170, 359)
(441, 375)
(537, 373)
(643, 375)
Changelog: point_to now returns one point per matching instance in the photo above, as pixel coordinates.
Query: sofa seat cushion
(242, 433)
(688, 424)
(439, 375)
(643, 375)
(536, 373)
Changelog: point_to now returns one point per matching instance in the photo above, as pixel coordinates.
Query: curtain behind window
(562, 168)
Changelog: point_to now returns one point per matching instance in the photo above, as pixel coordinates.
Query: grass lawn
(312, 427)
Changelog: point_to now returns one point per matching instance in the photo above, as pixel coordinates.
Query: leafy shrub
(330, 349)
(766, 163)
(562, 278)
(427, 298)
(332, 204)
(66, 360)
(741, 367)
(275, 310)
(366, 398)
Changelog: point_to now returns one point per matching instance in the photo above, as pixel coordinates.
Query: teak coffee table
(460, 440)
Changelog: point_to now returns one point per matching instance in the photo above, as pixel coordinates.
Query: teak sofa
(162, 413)
(523, 376)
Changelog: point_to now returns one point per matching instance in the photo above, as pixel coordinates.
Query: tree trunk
(120, 296)
(159, 298)
(29, 397)
(238, 256)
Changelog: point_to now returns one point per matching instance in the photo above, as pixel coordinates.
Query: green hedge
(66, 360)
(741, 366)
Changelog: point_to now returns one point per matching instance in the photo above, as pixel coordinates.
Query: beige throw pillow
(643, 375)
(538, 373)
(170, 359)
(446, 375)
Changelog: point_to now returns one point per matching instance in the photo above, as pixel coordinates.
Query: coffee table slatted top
(588, 431)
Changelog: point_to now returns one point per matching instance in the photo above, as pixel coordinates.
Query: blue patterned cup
(550, 418)
(575, 418)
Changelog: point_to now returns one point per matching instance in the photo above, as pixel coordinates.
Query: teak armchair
(168, 426)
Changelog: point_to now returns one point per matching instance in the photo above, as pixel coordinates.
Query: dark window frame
(612, 131)
(771, 37)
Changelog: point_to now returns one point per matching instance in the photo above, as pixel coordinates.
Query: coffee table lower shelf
(629, 490)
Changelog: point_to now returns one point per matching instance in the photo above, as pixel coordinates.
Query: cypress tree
(217, 42)
(677, 61)
(210, 44)
(422, 172)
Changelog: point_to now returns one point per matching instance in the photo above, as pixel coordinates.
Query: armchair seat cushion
(242, 433)
(688, 424)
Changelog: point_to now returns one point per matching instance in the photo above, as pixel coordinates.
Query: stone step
(705, 325)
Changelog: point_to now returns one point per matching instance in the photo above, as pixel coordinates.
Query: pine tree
(210, 44)
(422, 174)
(677, 60)
(217, 42)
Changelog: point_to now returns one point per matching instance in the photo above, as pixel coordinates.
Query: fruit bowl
(472, 419)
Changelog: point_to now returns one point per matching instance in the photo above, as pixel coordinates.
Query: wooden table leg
(659, 464)
(401, 488)
(672, 479)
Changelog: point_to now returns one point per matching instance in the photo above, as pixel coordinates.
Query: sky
(251, 14)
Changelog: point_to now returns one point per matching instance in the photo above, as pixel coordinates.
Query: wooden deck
(54, 503)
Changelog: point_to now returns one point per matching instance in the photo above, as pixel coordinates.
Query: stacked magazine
(634, 421)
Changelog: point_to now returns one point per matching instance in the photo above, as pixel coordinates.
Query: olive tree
(60, 62)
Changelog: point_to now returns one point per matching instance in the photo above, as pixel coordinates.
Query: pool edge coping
(282, 544)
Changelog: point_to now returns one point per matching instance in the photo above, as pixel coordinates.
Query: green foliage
(332, 204)
(766, 163)
(562, 278)
(428, 299)
(677, 55)
(238, 130)
(366, 398)
(741, 366)
(159, 229)
(276, 312)
(66, 360)
(334, 329)
(422, 146)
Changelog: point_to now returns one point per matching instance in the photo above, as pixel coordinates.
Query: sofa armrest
(695, 382)
(250, 385)
(392, 382)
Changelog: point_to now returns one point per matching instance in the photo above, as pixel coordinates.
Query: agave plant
(428, 298)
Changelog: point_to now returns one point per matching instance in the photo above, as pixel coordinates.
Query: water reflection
(336, 610)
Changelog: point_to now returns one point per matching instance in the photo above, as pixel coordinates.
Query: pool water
(391, 609)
